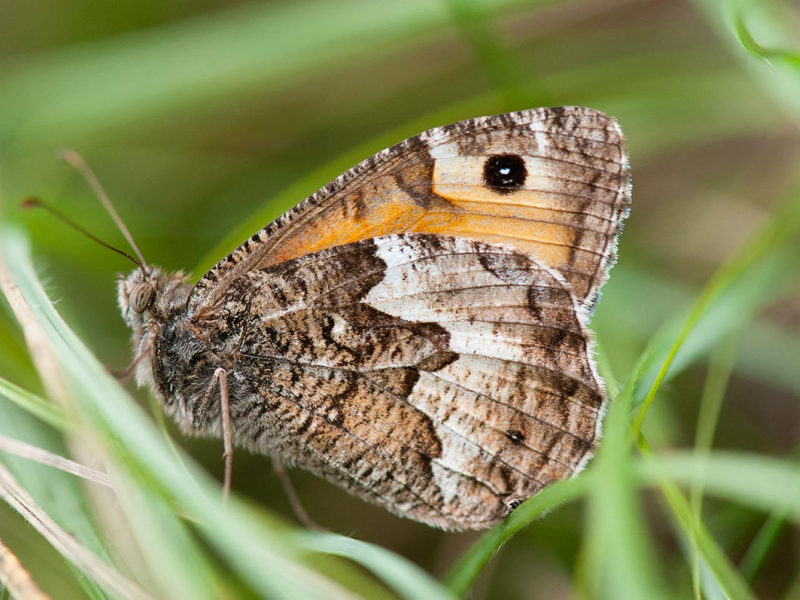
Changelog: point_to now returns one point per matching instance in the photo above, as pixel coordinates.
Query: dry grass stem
(16, 578)
(44, 457)
(19, 499)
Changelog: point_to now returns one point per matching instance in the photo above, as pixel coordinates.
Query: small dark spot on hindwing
(515, 435)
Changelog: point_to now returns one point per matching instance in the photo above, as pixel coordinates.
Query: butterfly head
(151, 301)
(148, 296)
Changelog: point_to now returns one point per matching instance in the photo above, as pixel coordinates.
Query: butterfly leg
(291, 495)
(221, 378)
(124, 376)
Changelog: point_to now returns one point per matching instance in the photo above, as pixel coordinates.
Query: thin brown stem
(16, 578)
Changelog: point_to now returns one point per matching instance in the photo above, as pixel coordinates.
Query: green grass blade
(36, 422)
(68, 546)
(762, 543)
(771, 238)
(687, 526)
(399, 574)
(778, 232)
(620, 557)
(175, 561)
(768, 240)
(35, 405)
(757, 481)
(766, 537)
(719, 372)
(777, 71)
(753, 47)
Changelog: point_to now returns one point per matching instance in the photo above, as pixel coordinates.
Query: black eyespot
(515, 436)
(140, 297)
(505, 173)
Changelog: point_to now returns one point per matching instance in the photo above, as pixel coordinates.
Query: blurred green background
(205, 120)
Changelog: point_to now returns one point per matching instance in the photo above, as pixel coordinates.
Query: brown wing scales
(423, 402)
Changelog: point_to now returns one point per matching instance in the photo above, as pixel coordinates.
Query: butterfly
(415, 331)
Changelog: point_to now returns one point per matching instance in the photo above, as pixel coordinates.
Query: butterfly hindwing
(477, 348)
(551, 183)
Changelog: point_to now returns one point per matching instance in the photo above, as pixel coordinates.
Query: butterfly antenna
(35, 202)
(76, 160)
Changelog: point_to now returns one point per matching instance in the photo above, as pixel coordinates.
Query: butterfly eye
(141, 296)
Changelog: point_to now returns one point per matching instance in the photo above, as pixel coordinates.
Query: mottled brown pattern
(453, 414)
(444, 372)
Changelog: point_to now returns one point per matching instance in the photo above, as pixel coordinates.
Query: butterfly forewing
(552, 183)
